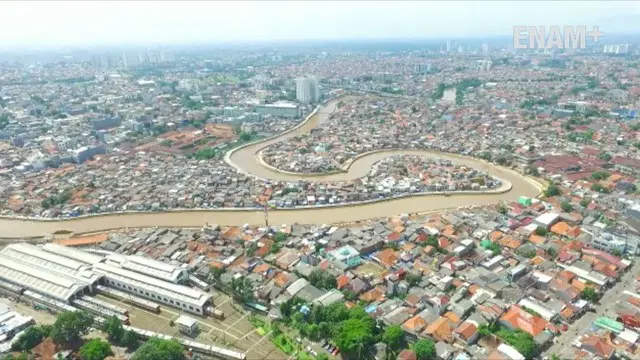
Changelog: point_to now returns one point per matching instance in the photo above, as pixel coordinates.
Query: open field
(369, 268)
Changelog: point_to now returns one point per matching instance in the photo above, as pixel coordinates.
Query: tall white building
(307, 90)
(130, 59)
(485, 48)
(616, 49)
(449, 45)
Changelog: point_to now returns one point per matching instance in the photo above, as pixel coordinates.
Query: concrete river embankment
(246, 160)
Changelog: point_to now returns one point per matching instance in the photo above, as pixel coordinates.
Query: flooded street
(246, 160)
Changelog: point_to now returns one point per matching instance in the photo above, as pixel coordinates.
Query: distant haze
(30, 23)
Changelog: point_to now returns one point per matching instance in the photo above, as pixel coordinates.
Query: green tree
(245, 136)
(280, 236)
(216, 272)
(71, 326)
(322, 279)
(540, 231)
(495, 248)
(159, 349)
(502, 209)
(566, 206)
(393, 337)
(605, 156)
(355, 336)
(413, 279)
(589, 294)
(617, 252)
(22, 356)
(522, 341)
(322, 356)
(95, 349)
(552, 190)
(29, 339)
(242, 290)
(129, 338)
(600, 175)
(425, 349)
(501, 160)
(485, 155)
(599, 188)
(275, 247)
(585, 202)
(113, 328)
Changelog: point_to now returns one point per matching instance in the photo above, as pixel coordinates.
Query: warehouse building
(179, 296)
(41, 279)
(150, 267)
(71, 253)
(37, 257)
(64, 273)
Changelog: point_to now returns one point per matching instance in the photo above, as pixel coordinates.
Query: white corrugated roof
(38, 279)
(72, 253)
(174, 291)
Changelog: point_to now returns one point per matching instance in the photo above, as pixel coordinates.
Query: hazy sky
(52, 23)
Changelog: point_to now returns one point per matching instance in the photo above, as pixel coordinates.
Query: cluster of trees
(463, 86)
(439, 91)
(600, 175)
(495, 248)
(520, 340)
(242, 290)
(4, 121)
(589, 294)
(322, 280)
(68, 329)
(605, 156)
(599, 188)
(352, 330)
(580, 136)
(116, 332)
(530, 103)
(246, 136)
(156, 348)
(56, 199)
(205, 154)
(95, 349)
(540, 231)
(485, 155)
(566, 206)
(552, 190)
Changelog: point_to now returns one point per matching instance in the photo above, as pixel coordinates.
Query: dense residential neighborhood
(172, 203)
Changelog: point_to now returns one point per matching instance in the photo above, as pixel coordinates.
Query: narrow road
(562, 346)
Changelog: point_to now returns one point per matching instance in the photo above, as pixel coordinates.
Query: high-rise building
(616, 49)
(449, 45)
(307, 90)
(485, 48)
(484, 65)
(130, 59)
(423, 68)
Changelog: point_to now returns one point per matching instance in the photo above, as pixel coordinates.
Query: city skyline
(45, 24)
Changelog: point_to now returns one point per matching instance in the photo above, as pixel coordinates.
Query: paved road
(562, 346)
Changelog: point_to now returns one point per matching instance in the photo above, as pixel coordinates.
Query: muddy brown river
(246, 159)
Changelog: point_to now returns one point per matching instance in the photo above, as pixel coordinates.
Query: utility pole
(266, 215)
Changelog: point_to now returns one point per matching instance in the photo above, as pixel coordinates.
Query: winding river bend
(246, 160)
